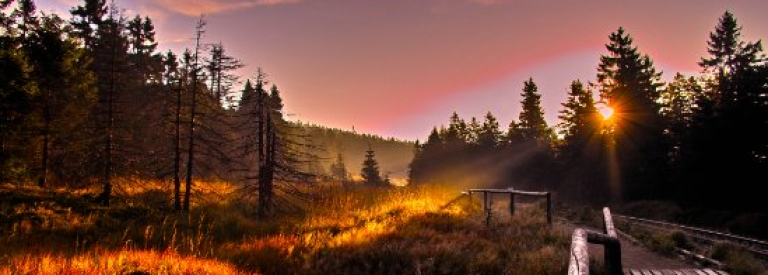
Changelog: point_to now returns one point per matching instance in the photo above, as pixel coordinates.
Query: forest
(171, 163)
(700, 140)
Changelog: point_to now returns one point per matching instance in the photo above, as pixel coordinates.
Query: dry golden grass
(117, 262)
(346, 231)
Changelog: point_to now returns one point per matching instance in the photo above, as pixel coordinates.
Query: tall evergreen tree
(66, 86)
(489, 136)
(582, 144)
(370, 170)
(531, 124)
(730, 123)
(87, 19)
(578, 119)
(111, 50)
(629, 83)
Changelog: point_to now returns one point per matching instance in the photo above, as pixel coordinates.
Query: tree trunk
(177, 152)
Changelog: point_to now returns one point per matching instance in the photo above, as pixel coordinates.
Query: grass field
(344, 231)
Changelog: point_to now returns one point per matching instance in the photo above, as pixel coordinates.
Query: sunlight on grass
(352, 230)
(120, 262)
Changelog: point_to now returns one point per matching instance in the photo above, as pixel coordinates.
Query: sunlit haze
(398, 68)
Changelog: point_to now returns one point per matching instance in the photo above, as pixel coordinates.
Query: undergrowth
(344, 231)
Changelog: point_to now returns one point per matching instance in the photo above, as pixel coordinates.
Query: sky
(397, 68)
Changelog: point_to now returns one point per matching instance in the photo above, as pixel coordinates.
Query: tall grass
(344, 231)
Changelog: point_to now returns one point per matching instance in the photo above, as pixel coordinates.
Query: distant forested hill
(393, 155)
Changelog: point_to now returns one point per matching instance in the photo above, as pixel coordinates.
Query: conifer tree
(531, 124)
(66, 89)
(629, 84)
(370, 170)
(489, 135)
(578, 119)
(87, 19)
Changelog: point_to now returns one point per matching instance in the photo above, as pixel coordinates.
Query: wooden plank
(608, 223)
(579, 261)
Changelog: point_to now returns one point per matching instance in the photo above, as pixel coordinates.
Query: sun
(605, 111)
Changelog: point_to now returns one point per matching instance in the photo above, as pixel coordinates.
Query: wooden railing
(579, 259)
(488, 199)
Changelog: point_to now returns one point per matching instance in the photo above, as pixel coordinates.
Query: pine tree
(629, 84)
(370, 170)
(531, 124)
(729, 54)
(111, 64)
(29, 22)
(66, 86)
(84, 18)
(579, 118)
(220, 67)
(582, 144)
(489, 136)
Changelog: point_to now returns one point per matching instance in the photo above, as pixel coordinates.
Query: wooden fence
(579, 260)
(488, 199)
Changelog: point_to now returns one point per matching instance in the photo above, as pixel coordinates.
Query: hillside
(393, 155)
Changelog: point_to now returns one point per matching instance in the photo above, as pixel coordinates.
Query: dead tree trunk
(193, 109)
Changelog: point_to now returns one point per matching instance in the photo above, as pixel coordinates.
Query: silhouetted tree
(195, 71)
(531, 125)
(581, 155)
(629, 83)
(87, 19)
(489, 135)
(370, 171)
(530, 143)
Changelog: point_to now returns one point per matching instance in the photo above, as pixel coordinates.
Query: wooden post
(488, 209)
(579, 260)
(612, 254)
(512, 204)
(549, 208)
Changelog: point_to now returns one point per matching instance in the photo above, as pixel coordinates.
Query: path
(632, 255)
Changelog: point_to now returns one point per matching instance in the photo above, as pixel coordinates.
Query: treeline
(88, 100)
(698, 140)
(392, 154)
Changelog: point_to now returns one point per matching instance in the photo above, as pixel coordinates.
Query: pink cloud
(197, 7)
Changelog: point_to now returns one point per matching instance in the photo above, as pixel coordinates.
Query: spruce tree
(578, 119)
(531, 124)
(489, 135)
(629, 84)
(370, 170)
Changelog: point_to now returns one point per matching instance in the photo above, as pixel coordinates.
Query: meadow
(343, 230)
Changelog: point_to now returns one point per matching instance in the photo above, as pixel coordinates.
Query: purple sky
(399, 67)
